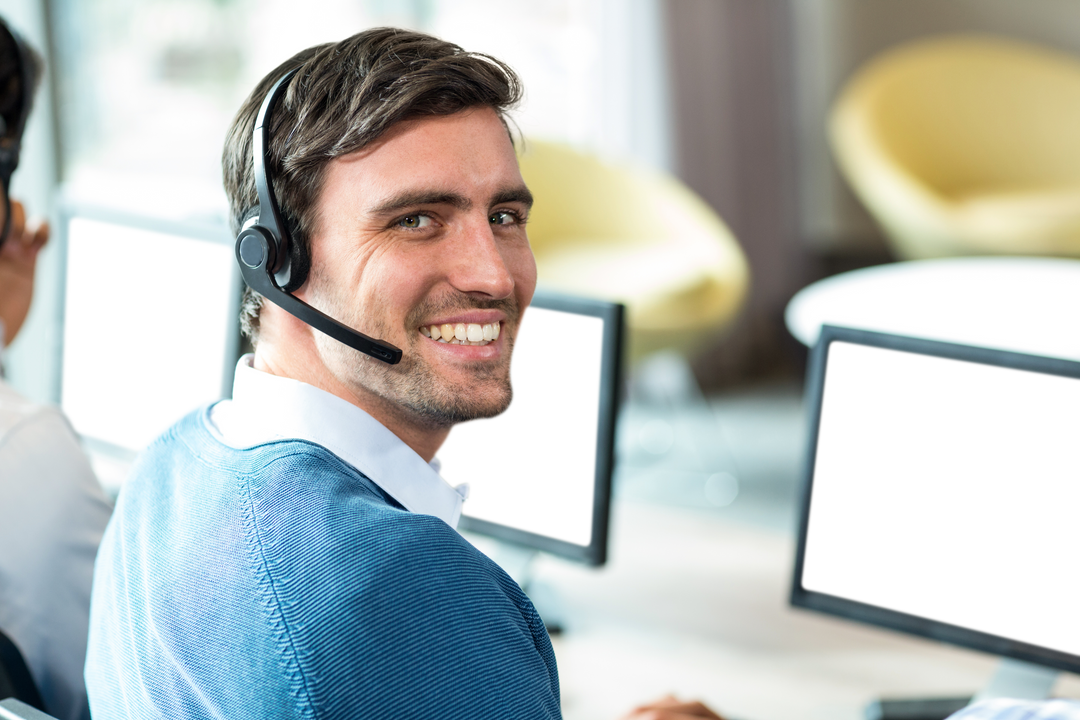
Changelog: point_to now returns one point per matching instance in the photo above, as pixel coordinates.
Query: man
(291, 552)
(52, 509)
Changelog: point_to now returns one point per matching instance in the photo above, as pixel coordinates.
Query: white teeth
(463, 333)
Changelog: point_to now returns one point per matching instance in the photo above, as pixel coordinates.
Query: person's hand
(18, 258)
(671, 708)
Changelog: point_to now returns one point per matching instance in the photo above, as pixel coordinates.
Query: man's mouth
(462, 333)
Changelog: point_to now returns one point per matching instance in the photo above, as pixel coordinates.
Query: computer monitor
(110, 458)
(942, 493)
(540, 473)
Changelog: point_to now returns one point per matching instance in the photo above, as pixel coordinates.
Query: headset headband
(269, 217)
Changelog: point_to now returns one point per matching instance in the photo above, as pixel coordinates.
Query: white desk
(1027, 305)
(697, 606)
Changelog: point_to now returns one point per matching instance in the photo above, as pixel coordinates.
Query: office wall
(731, 84)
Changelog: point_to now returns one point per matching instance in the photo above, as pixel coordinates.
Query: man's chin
(432, 391)
(461, 392)
(444, 411)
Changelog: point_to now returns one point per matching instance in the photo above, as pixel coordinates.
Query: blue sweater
(279, 582)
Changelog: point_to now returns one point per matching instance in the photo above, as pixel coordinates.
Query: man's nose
(478, 264)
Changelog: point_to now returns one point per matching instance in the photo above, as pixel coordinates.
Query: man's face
(426, 229)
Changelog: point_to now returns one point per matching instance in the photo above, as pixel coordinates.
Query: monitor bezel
(595, 553)
(881, 617)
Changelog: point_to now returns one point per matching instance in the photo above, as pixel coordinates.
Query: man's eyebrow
(514, 195)
(410, 199)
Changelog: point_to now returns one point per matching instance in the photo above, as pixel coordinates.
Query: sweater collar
(266, 408)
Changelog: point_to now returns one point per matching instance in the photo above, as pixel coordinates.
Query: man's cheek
(525, 276)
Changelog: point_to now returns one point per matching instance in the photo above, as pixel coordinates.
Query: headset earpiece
(267, 262)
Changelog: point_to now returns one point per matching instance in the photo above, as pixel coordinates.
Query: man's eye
(414, 221)
(503, 217)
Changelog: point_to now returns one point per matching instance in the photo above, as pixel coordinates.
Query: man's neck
(424, 440)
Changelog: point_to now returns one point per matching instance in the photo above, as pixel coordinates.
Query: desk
(1022, 304)
(697, 605)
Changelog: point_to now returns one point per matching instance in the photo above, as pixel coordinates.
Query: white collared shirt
(52, 516)
(266, 407)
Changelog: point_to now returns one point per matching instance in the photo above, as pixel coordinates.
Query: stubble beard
(412, 387)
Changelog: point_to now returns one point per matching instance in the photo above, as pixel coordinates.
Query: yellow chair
(634, 236)
(966, 145)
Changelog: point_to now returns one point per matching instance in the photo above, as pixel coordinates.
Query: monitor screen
(540, 474)
(110, 458)
(942, 491)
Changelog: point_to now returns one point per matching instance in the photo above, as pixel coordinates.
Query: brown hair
(344, 96)
(14, 53)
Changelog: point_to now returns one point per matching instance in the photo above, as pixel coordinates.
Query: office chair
(636, 236)
(15, 679)
(965, 145)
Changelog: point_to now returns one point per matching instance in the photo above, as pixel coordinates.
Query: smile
(462, 333)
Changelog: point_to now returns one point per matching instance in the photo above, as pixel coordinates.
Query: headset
(17, 84)
(268, 260)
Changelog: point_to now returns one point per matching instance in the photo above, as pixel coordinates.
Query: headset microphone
(263, 252)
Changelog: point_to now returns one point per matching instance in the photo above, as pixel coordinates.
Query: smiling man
(291, 552)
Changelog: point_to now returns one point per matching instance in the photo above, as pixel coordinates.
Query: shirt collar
(266, 407)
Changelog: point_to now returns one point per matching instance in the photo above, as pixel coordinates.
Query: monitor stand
(1012, 679)
(517, 561)
(1020, 680)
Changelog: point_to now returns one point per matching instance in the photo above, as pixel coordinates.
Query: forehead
(468, 153)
